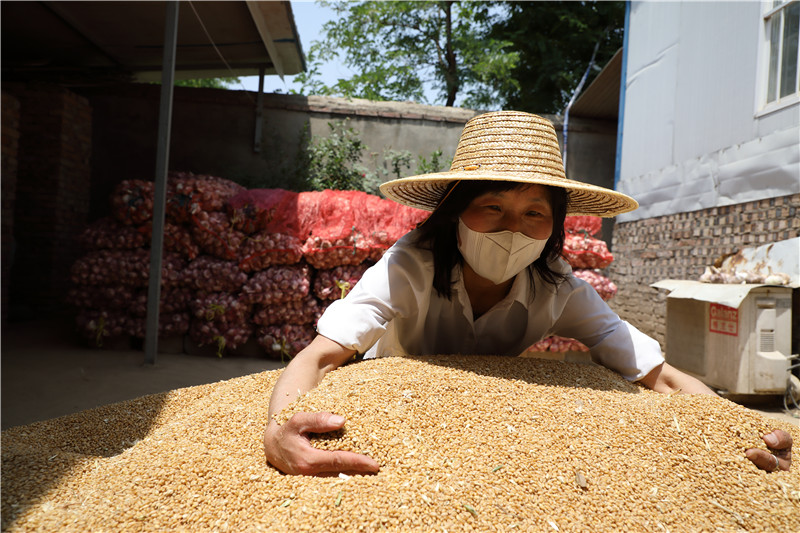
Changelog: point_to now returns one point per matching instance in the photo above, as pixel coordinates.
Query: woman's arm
(665, 379)
(287, 446)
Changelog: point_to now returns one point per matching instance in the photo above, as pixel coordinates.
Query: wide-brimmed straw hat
(509, 146)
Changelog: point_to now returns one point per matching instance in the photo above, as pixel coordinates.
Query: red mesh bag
(213, 233)
(222, 307)
(265, 210)
(169, 324)
(101, 297)
(173, 300)
(588, 225)
(223, 335)
(213, 275)
(334, 283)
(286, 340)
(278, 284)
(586, 252)
(263, 250)
(306, 311)
(125, 267)
(99, 325)
(188, 194)
(604, 286)
(558, 344)
(109, 233)
(132, 202)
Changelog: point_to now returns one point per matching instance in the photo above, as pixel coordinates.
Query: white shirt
(394, 310)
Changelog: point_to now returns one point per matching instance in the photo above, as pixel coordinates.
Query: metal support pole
(162, 165)
(259, 111)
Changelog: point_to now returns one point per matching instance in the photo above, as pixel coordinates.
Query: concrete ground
(47, 371)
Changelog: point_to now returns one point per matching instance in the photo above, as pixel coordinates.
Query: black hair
(439, 233)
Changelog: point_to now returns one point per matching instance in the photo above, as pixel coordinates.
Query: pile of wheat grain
(465, 443)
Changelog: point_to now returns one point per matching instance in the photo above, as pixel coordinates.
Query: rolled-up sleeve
(612, 342)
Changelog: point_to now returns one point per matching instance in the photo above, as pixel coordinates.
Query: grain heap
(465, 444)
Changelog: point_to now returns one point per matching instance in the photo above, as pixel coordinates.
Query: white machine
(736, 338)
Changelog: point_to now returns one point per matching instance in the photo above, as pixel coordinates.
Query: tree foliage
(396, 48)
(555, 41)
(208, 83)
(522, 55)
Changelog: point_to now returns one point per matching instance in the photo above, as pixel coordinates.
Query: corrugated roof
(601, 98)
(60, 41)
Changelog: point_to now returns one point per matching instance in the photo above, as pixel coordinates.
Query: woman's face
(524, 209)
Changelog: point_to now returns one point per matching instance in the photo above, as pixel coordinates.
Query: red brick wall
(9, 189)
(680, 246)
(52, 195)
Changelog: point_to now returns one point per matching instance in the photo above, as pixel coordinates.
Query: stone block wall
(50, 208)
(680, 246)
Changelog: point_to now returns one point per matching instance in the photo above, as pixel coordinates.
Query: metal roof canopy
(601, 98)
(91, 42)
(72, 42)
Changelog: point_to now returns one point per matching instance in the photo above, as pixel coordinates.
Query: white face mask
(497, 256)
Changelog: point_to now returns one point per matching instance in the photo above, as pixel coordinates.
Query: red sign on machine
(723, 319)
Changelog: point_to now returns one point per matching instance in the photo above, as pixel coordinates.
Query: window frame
(762, 107)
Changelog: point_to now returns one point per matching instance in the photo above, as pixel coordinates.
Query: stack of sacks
(239, 264)
(587, 255)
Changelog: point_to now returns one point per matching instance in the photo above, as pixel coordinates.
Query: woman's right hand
(287, 447)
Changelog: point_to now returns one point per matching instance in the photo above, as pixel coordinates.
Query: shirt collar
(519, 292)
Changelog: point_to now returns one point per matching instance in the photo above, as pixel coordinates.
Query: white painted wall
(694, 135)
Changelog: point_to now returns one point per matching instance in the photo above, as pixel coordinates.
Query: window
(782, 35)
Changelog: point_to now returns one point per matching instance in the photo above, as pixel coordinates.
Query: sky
(309, 18)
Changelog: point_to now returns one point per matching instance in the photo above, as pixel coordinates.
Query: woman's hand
(665, 378)
(780, 456)
(288, 449)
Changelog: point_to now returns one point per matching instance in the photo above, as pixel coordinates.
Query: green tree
(396, 48)
(555, 41)
(208, 83)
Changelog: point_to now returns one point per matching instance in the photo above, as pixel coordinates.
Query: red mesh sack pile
(169, 325)
(335, 283)
(606, 288)
(305, 311)
(278, 284)
(173, 300)
(265, 210)
(221, 318)
(285, 340)
(210, 274)
(587, 225)
(581, 251)
(110, 234)
(214, 234)
(558, 344)
(124, 267)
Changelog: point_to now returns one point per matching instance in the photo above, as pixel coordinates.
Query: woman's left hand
(779, 457)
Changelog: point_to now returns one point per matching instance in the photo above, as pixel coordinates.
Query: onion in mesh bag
(213, 275)
(282, 341)
(306, 311)
(278, 284)
(335, 283)
(606, 288)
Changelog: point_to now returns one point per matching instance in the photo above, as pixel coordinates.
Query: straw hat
(509, 146)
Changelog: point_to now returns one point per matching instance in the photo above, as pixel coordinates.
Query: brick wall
(8, 194)
(680, 246)
(52, 196)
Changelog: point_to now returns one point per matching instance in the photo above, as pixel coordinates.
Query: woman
(482, 275)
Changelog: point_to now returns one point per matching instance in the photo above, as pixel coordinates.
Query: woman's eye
(493, 207)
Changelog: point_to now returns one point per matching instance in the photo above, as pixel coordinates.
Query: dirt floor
(47, 371)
